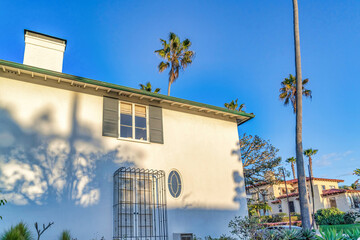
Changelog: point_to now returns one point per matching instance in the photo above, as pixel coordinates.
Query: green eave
(20, 66)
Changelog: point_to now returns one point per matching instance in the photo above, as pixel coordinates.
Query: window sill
(134, 140)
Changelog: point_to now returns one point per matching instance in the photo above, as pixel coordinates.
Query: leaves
(288, 91)
(260, 161)
(176, 56)
(233, 105)
(148, 87)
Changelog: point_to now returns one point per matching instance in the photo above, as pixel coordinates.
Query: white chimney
(44, 51)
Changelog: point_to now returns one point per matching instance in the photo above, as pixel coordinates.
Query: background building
(326, 194)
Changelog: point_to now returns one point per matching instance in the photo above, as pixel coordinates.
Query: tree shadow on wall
(240, 193)
(38, 166)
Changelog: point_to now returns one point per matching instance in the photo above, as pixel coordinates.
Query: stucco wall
(56, 166)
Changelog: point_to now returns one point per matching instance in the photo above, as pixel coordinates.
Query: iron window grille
(140, 210)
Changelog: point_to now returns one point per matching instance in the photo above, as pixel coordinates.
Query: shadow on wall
(39, 169)
(240, 193)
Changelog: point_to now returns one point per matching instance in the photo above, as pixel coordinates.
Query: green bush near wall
(341, 227)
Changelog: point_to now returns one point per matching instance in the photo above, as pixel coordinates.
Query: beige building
(326, 194)
(106, 160)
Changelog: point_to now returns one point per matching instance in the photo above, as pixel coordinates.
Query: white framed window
(332, 187)
(133, 121)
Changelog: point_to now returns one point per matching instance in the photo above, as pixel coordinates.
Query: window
(280, 208)
(139, 204)
(133, 121)
(323, 187)
(332, 187)
(174, 183)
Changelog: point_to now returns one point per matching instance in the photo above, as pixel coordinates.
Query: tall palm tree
(176, 55)
(292, 160)
(357, 172)
(304, 203)
(233, 105)
(288, 91)
(148, 87)
(310, 152)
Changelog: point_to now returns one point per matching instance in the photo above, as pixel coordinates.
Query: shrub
(350, 217)
(19, 232)
(244, 227)
(329, 216)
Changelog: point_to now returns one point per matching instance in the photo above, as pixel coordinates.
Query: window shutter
(156, 124)
(110, 117)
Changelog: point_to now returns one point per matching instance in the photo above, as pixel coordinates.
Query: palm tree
(65, 235)
(292, 160)
(310, 152)
(148, 87)
(233, 105)
(256, 207)
(288, 91)
(357, 172)
(304, 203)
(177, 56)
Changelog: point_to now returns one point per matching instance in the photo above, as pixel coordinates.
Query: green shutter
(156, 124)
(110, 117)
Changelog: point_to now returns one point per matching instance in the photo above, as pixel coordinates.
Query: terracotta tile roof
(292, 181)
(290, 195)
(318, 179)
(337, 191)
(276, 201)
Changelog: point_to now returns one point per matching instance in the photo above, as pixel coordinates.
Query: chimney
(44, 51)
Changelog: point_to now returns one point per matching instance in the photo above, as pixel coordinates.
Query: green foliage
(65, 235)
(259, 206)
(19, 232)
(287, 234)
(244, 227)
(176, 55)
(260, 160)
(2, 202)
(233, 105)
(148, 87)
(350, 217)
(291, 234)
(357, 172)
(353, 234)
(329, 216)
(331, 234)
(288, 91)
(222, 237)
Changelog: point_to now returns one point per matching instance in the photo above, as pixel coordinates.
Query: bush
(329, 216)
(244, 227)
(350, 217)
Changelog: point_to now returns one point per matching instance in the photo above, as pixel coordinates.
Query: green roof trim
(120, 88)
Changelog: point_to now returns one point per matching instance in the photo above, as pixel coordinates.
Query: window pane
(140, 111)
(126, 119)
(125, 132)
(126, 108)
(140, 134)
(140, 122)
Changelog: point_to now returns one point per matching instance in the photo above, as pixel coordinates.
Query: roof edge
(123, 88)
(45, 35)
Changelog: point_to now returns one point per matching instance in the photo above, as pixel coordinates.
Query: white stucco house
(106, 160)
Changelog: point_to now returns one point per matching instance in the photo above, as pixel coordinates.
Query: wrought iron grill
(140, 204)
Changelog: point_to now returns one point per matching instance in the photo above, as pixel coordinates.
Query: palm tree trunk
(310, 165)
(169, 88)
(293, 169)
(303, 195)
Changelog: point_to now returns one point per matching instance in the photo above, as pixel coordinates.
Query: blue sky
(244, 49)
